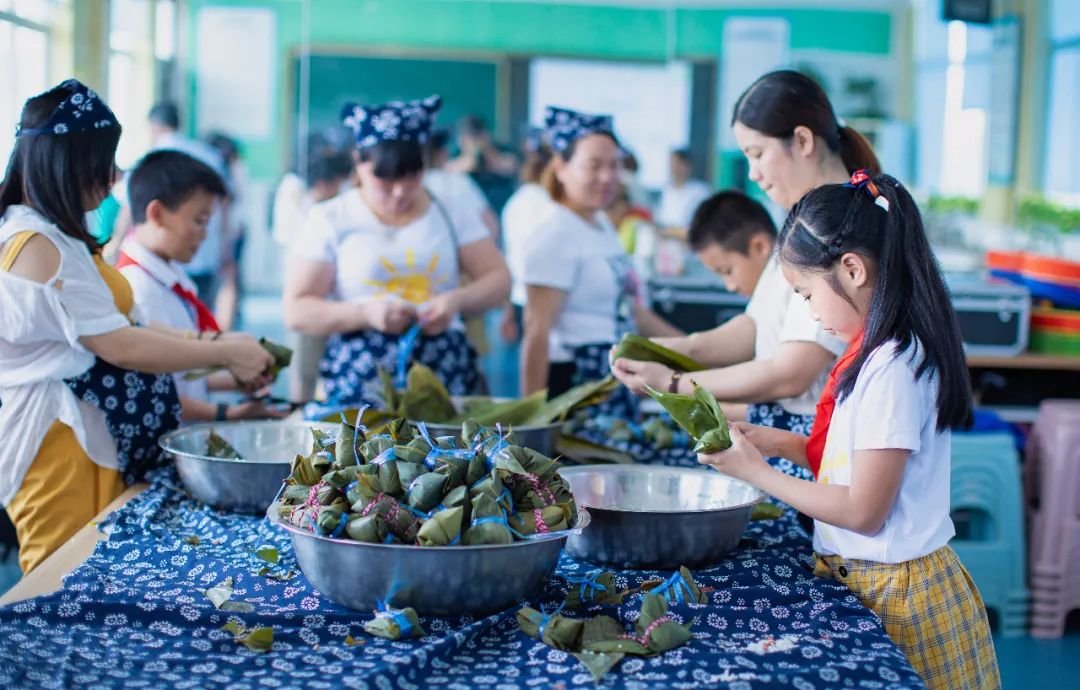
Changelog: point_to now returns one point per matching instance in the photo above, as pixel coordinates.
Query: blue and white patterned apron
(350, 367)
(139, 408)
(774, 415)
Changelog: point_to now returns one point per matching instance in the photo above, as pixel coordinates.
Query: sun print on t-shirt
(410, 282)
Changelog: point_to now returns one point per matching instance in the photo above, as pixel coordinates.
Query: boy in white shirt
(774, 357)
(173, 197)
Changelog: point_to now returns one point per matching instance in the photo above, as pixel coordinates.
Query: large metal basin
(244, 486)
(434, 580)
(658, 517)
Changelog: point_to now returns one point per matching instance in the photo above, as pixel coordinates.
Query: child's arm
(861, 507)
(195, 410)
(775, 443)
(787, 374)
(729, 343)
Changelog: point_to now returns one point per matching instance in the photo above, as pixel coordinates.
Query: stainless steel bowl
(248, 485)
(658, 517)
(434, 580)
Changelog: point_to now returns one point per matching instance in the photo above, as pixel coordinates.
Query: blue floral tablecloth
(135, 616)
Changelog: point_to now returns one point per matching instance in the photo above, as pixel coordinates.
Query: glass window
(1062, 171)
(1064, 19)
(24, 69)
(952, 94)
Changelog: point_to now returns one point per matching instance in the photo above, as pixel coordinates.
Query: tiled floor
(1025, 662)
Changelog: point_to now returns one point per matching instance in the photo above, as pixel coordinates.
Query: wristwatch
(673, 386)
(221, 414)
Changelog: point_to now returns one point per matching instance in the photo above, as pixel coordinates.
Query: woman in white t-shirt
(858, 254)
(379, 268)
(774, 357)
(582, 293)
(525, 209)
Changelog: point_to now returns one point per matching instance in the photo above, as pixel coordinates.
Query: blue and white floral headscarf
(81, 111)
(563, 126)
(394, 121)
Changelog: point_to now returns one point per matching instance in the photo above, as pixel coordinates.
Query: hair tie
(860, 179)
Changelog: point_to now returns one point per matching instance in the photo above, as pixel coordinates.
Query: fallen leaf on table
(268, 554)
(258, 640)
(255, 639)
(219, 594)
(766, 511)
(599, 663)
(234, 627)
(237, 607)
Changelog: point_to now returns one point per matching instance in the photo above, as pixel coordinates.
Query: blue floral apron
(139, 408)
(774, 415)
(350, 366)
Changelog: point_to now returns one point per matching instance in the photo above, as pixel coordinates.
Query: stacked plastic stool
(1052, 485)
(988, 509)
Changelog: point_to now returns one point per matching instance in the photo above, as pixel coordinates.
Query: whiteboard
(235, 84)
(650, 103)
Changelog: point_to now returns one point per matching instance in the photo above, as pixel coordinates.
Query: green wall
(493, 29)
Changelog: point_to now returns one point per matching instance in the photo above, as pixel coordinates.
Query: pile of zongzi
(406, 487)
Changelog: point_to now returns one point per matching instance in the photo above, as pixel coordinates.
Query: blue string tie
(406, 345)
(405, 626)
(679, 586)
(589, 584)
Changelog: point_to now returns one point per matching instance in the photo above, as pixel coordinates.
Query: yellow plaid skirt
(932, 610)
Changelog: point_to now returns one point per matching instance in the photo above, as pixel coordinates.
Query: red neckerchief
(815, 445)
(204, 318)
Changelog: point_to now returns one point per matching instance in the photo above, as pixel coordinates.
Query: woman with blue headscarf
(582, 294)
(379, 267)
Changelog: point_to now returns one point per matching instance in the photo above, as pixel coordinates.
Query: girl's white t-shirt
(40, 327)
(372, 260)
(524, 210)
(890, 409)
(586, 261)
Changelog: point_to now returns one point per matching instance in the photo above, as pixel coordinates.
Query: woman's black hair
(780, 101)
(394, 160)
(910, 299)
(54, 173)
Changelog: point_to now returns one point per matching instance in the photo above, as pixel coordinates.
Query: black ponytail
(780, 101)
(910, 299)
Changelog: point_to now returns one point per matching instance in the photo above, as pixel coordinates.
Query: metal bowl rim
(648, 469)
(164, 441)
(582, 522)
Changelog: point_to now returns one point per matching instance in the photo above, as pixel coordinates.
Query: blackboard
(468, 87)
